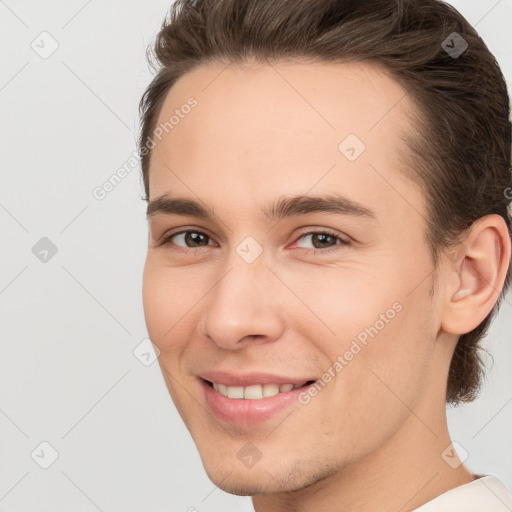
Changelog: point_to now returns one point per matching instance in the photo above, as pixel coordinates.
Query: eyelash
(167, 241)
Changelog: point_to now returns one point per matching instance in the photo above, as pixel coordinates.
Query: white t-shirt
(485, 494)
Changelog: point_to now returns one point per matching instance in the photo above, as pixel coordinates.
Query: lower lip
(242, 411)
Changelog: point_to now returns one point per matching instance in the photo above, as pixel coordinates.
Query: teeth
(270, 389)
(255, 391)
(235, 392)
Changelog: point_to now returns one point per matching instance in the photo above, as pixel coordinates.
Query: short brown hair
(461, 159)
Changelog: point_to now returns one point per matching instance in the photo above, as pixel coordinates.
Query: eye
(324, 240)
(188, 239)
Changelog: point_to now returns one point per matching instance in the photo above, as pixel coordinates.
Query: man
(329, 239)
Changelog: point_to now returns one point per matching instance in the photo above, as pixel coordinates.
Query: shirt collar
(484, 494)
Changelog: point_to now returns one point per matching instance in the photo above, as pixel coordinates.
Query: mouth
(255, 391)
(250, 400)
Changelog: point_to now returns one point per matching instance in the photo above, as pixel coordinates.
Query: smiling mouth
(255, 391)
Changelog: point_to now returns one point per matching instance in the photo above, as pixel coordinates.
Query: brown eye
(191, 239)
(322, 240)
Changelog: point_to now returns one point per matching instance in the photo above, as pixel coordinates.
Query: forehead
(280, 127)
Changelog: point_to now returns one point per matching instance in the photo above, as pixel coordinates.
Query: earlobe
(479, 275)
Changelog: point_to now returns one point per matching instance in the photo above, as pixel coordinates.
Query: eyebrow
(281, 208)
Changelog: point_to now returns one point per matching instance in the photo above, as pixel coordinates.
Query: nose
(244, 307)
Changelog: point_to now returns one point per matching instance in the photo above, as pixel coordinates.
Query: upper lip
(248, 379)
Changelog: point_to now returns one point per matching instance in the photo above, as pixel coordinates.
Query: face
(302, 270)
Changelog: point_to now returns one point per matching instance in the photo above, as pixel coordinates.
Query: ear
(478, 270)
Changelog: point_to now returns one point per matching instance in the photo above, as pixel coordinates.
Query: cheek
(378, 380)
(164, 302)
(387, 361)
(154, 302)
(343, 303)
(381, 333)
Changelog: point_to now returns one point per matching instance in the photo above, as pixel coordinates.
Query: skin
(373, 438)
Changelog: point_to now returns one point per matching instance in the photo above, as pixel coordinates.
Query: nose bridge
(244, 303)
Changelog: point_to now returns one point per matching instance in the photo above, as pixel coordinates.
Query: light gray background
(69, 326)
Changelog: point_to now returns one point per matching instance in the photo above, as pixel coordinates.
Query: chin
(268, 478)
(249, 483)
